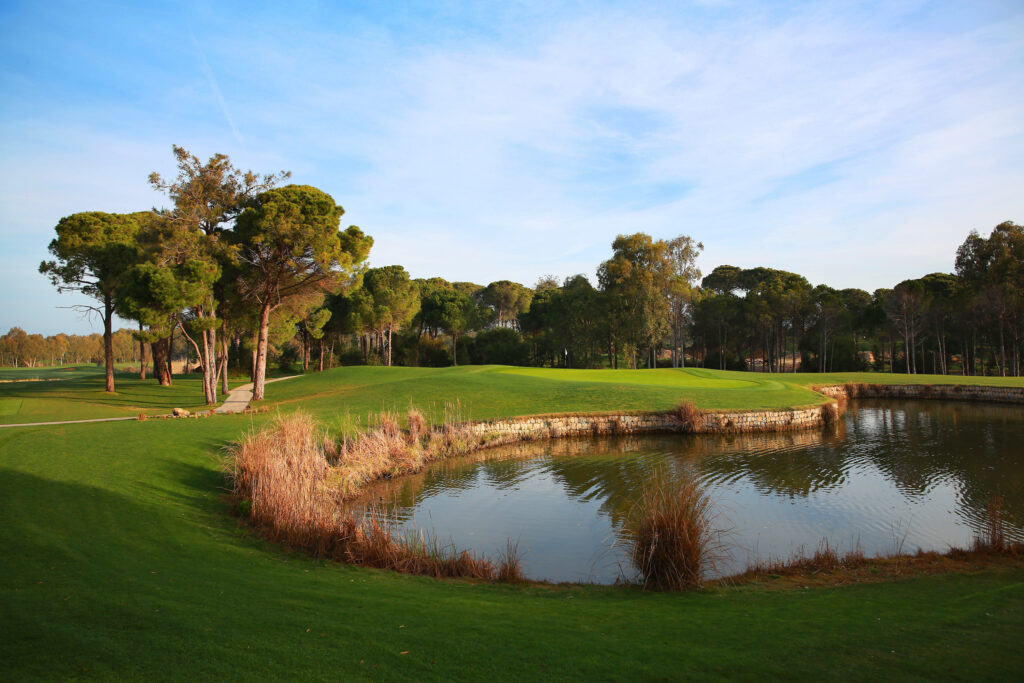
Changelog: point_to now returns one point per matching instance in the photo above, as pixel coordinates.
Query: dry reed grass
(291, 479)
(672, 542)
(824, 559)
(690, 416)
(829, 413)
(992, 540)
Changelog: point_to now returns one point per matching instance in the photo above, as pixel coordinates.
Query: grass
(79, 394)
(486, 392)
(121, 555)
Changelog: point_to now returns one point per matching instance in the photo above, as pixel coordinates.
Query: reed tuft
(671, 536)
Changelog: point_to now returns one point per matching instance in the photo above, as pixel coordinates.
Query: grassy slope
(491, 391)
(120, 559)
(79, 395)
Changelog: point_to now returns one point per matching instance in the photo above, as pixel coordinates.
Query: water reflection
(910, 474)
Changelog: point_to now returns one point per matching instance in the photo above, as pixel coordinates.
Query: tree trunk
(260, 378)
(321, 354)
(455, 349)
(207, 363)
(222, 371)
(162, 368)
(305, 350)
(142, 354)
(108, 339)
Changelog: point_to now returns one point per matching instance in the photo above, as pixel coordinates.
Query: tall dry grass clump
(992, 539)
(292, 479)
(387, 450)
(690, 416)
(830, 413)
(824, 559)
(282, 472)
(671, 538)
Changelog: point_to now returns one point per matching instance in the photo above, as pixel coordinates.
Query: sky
(854, 143)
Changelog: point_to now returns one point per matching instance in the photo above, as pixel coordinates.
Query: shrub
(670, 533)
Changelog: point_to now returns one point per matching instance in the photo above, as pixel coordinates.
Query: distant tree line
(243, 273)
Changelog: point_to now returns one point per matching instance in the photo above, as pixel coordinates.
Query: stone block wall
(511, 430)
(946, 392)
(493, 432)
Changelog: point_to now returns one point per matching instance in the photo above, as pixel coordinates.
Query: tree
(906, 309)
(451, 310)
(994, 268)
(92, 250)
(682, 274)
(508, 299)
(633, 281)
(206, 198)
(289, 239)
(396, 300)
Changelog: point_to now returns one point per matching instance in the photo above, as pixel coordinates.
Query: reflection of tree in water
(921, 444)
(915, 445)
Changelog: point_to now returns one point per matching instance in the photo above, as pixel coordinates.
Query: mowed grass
(79, 394)
(121, 560)
(483, 392)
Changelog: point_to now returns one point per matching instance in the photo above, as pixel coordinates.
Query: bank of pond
(886, 478)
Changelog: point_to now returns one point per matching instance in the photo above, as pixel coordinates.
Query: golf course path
(238, 398)
(69, 422)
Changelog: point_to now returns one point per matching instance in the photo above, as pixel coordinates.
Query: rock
(180, 412)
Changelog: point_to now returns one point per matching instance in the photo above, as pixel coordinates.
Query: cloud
(854, 144)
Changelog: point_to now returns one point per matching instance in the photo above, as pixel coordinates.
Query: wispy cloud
(856, 144)
(204, 66)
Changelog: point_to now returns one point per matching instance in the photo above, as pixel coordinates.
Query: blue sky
(854, 143)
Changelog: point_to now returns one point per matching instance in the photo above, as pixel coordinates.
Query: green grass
(80, 394)
(485, 392)
(489, 391)
(121, 560)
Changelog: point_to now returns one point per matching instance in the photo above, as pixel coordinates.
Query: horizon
(856, 145)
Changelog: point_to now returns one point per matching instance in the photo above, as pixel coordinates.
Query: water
(890, 476)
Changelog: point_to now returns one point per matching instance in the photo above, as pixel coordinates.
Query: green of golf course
(122, 558)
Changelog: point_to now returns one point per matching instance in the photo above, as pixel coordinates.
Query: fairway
(78, 394)
(121, 553)
(485, 392)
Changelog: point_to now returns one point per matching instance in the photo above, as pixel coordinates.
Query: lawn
(122, 560)
(79, 394)
(489, 391)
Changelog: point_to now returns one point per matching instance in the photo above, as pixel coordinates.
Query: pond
(889, 476)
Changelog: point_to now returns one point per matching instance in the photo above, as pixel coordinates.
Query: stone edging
(952, 392)
(502, 431)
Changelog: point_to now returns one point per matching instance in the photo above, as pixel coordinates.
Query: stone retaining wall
(953, 392)
(493, 432)
(502, 431)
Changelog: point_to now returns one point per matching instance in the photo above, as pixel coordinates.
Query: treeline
(650, 308)
(20, 349)
(244, 273)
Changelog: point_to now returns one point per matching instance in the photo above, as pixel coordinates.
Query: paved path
(70, 422)
(237, 401)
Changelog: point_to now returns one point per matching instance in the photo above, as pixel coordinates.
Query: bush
(671, 536)
(499, 346)
(434, 353)
(288, 358)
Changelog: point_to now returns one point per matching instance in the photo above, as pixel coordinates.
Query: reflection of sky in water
(915, 475)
